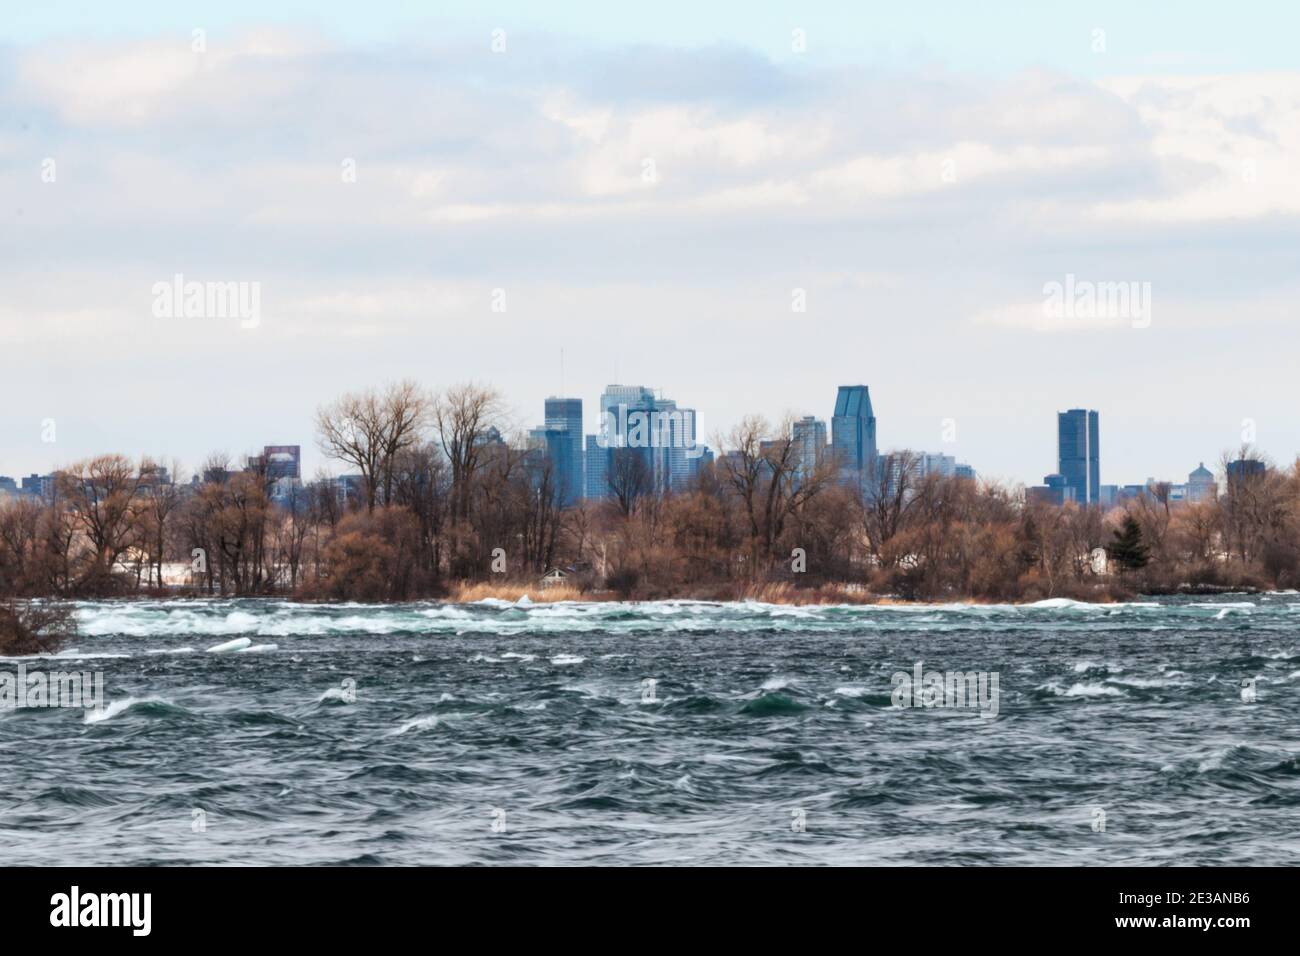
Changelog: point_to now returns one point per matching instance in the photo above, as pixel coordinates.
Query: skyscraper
(677, 463)
(853, 433)
(625, 423)
(596, 480)
(662, 434)
(809, 437)
(565, 416)
(1078, 454)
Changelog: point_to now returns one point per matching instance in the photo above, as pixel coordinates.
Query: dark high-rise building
(1078, 454)
(564, 415)
(596, 479)
(548, 445)
(853, 433)
(1244, 468)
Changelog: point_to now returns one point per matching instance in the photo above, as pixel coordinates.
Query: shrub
(28, 627)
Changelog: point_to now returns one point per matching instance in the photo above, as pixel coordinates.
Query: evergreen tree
(1128, 550)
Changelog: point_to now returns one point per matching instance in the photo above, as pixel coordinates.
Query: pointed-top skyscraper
(853, 433)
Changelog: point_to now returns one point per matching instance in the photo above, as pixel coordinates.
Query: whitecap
(1048, 604)
(238, 644)
(415, 723)
(119, 706)
(1146, 683)
(1092, 690)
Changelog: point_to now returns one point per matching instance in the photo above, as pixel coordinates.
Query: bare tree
(103, 495)
(763, 467)
(629, 478)
(465, 416)
(886, 498)
(162, 497)
(368, 429)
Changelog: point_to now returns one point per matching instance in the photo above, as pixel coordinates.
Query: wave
(334, 695)
(151, 706)
(265, 621)
(1081, 689)
(238, 644)
(1082, 667)
(1147, 683)
(415, 723)
(772, 705)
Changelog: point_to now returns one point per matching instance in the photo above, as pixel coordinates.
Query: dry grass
(781, 592)
(771, 592)
(466, 593)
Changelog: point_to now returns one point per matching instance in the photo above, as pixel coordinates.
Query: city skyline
(694, 209)
(581, 453)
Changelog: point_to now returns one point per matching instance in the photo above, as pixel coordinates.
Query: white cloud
(922, 214)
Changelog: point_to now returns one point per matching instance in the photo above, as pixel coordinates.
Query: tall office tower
(853, 433)
(630, 396)
(1078, 454)
(662, 434)
(596, 482)
(809, 437)
(564, 415)
(674, 453)
(678, 462)
(625, 422)
(548, 446)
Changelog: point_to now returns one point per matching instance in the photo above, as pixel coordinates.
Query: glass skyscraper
(597, 477)
(1079, 454)
(564, 415)
(655, 428)
(809, 437)
(853, 433)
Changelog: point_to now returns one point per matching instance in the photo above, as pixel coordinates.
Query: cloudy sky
(646, 192)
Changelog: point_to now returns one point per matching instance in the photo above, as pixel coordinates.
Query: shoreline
(525, 595)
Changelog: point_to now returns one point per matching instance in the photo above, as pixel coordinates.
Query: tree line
(441, 500)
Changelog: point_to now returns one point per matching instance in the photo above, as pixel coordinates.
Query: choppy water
(537, 717)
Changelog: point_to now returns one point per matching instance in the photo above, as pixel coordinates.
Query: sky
(744, 205)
